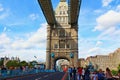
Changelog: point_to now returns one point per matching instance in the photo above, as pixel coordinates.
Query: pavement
(42, 76)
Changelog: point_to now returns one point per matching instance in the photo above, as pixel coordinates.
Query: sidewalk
(65, 77)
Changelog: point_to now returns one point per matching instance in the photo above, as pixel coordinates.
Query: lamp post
(52, 56)
(72, 56)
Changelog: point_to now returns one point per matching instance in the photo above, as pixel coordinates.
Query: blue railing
(14, 73)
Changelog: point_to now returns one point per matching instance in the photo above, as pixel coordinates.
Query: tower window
(54, 34)
(63, 12)
(55, 46)
(62, 33)
(68, 46)
(60, 12)
(62, 44)
(69, 34)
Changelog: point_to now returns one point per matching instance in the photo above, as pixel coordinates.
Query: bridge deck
(48, 12)
(74, 8)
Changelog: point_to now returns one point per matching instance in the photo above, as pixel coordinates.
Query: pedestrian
(95, 76)
(70, 73)
(87, 74)
(119, 74)
(83, 73)
(79, 73)
(74, 73)
(3, 70)
(108, 74)
(101, 75)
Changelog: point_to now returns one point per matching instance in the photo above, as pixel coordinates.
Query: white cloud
(26, 49)
(38, 36)
(118, 8)
(4, 15)
(4, 39)
(108, 20)
(33, 16)
(98, 11)
(5, 28)
(106, 2)
(99, 43)
(108, 24)
(1, 8)
(94, 50)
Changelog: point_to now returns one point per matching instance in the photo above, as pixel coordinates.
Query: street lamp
(71, 55)
(52, 55)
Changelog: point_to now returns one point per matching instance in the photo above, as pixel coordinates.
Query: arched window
(56, 45)
(60, 12)
(62, 33)
(63, 12)
(69, 34)
(62, 44)
(68, 45)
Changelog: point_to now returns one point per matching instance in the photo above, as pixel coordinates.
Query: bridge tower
(62, 31)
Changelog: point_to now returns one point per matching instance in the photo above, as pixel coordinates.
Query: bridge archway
(61, 63)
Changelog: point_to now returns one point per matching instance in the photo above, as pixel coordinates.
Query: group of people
(85, 74)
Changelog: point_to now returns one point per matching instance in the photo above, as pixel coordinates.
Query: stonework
(62, 38)
(102, 61)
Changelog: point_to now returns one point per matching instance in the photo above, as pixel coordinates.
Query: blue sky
(23, 28)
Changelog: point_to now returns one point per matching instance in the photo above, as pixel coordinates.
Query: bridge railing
(18, 72)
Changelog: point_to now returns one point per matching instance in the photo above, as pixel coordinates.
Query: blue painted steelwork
(14, 73)
(52, 55)
(71, 55)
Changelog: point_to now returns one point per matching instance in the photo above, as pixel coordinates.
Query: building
(6, 59)
(102, 61)
(62, 31)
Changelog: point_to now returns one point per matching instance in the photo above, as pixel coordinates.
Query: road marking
(38, 78)
(41, 78)
(46, 76)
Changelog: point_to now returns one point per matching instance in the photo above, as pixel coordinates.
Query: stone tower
(62, 38)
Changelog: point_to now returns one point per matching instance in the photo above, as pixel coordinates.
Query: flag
(35, 56)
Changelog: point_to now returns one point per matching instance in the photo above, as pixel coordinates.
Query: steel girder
(73, 11)
(48, 12)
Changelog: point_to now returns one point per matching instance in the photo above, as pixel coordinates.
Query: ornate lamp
(52, 55)
(71, 55)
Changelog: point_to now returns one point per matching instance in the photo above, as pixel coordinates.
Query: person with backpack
(101, 75)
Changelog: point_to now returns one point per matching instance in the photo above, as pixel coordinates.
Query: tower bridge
(62, 31)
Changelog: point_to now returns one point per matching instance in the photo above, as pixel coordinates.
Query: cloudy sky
(23, 28)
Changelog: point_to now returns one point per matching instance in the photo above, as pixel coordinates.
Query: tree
(12, 63)
(23, 63)
(118, 67)
(33, 63)
(114, 72)
(1, 62)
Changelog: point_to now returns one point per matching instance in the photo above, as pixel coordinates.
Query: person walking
(79, 73)
(101, 75)
(74, 73)
(119, 74)
(108, 74)
(95, 76)
(83, 73)
(87, 74)
(70, 73)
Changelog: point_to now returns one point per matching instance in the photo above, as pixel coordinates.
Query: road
(41, 76)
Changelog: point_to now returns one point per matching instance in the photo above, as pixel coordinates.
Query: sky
(23, 28)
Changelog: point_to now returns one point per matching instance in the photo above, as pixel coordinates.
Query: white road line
(38, 78)
(46, 76)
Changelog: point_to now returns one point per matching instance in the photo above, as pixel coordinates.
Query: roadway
(41, 76)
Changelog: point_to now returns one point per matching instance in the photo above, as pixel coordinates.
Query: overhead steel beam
(47, 10)
(73, 11)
